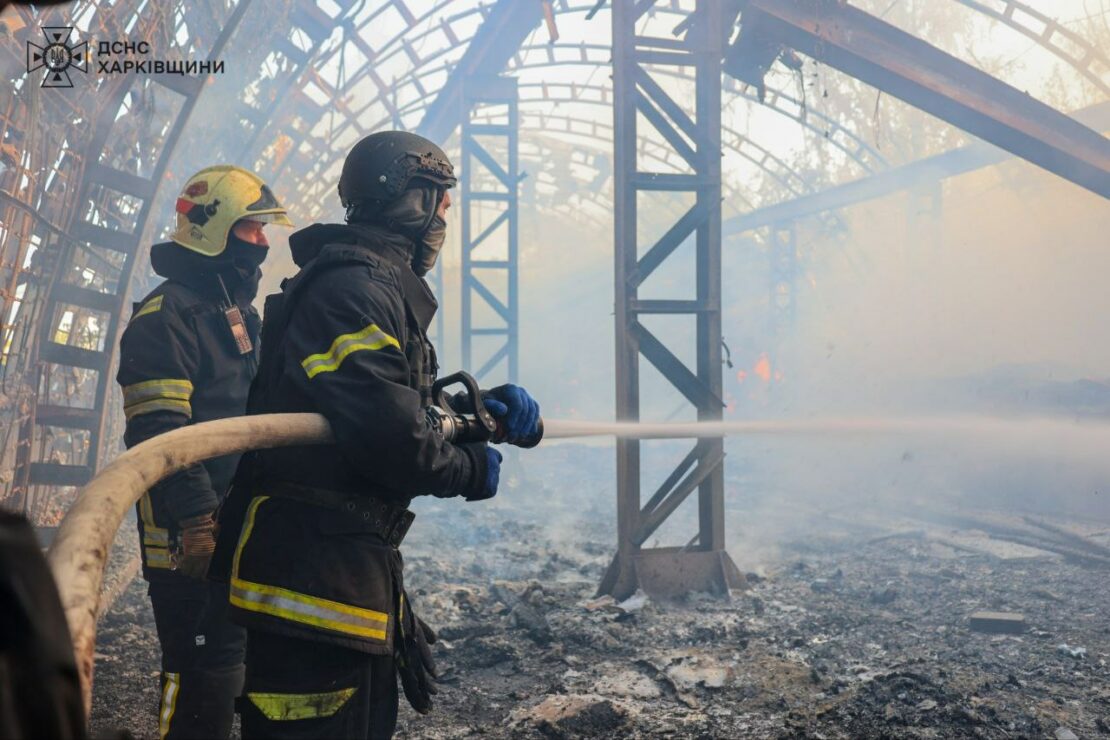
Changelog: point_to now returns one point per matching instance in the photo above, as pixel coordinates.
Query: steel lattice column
(490, 280)
(702, 564)
(782, 246)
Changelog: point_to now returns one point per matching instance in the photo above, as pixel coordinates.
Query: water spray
(977, 426)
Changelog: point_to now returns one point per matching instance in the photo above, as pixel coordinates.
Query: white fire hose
(79, 553)
(80, 550)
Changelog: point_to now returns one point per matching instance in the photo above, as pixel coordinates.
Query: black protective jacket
(180, 364)
(346, 338)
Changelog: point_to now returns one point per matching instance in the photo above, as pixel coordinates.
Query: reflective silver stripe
(311, 610)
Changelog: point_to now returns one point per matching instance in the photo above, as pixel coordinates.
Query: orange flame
(762, 368)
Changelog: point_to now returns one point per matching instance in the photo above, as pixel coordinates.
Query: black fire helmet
(383, 165)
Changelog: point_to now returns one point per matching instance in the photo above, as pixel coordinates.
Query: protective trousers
(299, 688)
(202, 659)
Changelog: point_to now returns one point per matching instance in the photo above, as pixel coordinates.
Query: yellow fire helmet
(214, 199)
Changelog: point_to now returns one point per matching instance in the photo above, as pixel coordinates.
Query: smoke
(1009, 275)
(991, 305)
(994, 304)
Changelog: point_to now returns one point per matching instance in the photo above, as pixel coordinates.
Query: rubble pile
(871, 641)
(844, 637)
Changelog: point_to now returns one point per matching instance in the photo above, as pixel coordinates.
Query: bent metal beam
(909, 68)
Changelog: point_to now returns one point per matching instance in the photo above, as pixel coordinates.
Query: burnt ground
(856, 626)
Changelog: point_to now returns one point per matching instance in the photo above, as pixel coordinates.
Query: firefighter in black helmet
(309, 538)
(188, 355)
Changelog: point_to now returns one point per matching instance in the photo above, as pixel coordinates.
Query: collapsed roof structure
(578, 129)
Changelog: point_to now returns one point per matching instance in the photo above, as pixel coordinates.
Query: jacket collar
(308, 243)
(202, 274)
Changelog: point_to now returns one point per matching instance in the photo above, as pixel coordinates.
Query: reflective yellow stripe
(368, 339)
(157, 537)
(156, 540)
(246, 533)
(169, 703)
(152, 533)
(298, 607)
(146, 510)
(278, 707)
(311, 610)
(158, 557)
(160, 394)
(154, 304)
(147, 407)
(176, 388)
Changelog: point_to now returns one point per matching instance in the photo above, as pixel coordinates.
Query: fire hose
(79, 553)
(80, 550)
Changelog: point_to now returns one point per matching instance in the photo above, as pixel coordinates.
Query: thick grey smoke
(997, 307)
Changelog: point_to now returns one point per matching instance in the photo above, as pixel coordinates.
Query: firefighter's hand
(516, 409)
(198, 542)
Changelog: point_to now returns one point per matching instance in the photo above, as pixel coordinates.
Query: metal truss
(929, 170)
(779, 101)
(920, 74)
(70, 309)
(427, 70)
(1080, 54)
(792, 182)
(783, 255)
(554, 96)
(405, 99)
(312, 155)
(490, 185)
(595, 56)
(703, 564)
(76, 196)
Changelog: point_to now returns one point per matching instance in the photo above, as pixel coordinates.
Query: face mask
(408, 214)
(245, 255)
(428, 249)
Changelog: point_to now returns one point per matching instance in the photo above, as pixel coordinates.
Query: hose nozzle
(474, 423)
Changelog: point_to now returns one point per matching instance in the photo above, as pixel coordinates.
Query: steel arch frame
(865, 156)
(791, 180)
(1011, 14)
(92, 232)
(1012, 10)
(778, 100)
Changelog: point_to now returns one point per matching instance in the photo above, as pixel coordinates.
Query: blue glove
(513, 406)
(493, 474)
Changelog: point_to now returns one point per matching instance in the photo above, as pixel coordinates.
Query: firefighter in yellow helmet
(188, 355)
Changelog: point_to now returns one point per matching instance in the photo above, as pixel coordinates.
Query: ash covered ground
(854, 625)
